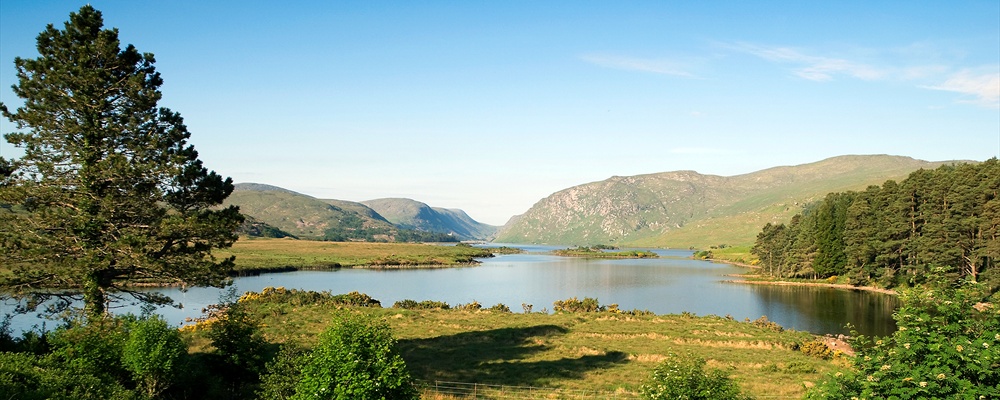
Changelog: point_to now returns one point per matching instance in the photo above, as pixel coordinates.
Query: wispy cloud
(656, 66)
(814, 68)
(983, 86)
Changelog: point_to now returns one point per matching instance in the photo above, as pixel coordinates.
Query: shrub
(764, 323)
(355, 359)
(572, 304)
(946, 346)
(473, 306)
(685, 378)
(816, 348)
(297, 297)
(27, 376)
(97, 347)
(282, 374)
(239, 346)
(356, 299)
(499, 307)
(423, 305)
(154, 353)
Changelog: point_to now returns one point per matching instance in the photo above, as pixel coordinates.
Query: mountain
(305, 216)
(685, 208)
(277, 211)
(412, 214)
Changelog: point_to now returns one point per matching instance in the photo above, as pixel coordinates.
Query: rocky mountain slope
(273, 209)
(301, 215)
(412, 214)
(685, 208)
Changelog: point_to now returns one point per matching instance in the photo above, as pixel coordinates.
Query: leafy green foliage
(239, 346)
(155, 354)
(408, 304)
(355, 359)
(947, 346)
(282, 373)
(894, 234)
(96, 347)
(684, 377)
(500, 308)
(26, 376)
(108, 191)
(588, 304)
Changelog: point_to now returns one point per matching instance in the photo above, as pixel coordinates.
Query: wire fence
(442, 390)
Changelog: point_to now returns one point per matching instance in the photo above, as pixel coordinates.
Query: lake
(672, 284)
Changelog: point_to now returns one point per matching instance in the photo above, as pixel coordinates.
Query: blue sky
(491, 106)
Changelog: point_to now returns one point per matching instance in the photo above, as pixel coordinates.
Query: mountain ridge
(685, 208)
(412, 214)
(308, 217)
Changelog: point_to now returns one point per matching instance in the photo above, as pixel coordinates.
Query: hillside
(411, 214)
(685, 208)
(304, 216)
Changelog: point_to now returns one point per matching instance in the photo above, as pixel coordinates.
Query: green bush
(947, 346)
(154, 353)
(356, 299)
(588, 304)
(764, 323)
(355, 359)
(97, 347)
(239, 347)
(473, 306)
(816, 349)
(685, 378)
(27, 376)
(423, 305)
(282, 374)
(500, 308)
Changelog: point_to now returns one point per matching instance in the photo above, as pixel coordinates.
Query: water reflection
(671, 284)
(829, 310)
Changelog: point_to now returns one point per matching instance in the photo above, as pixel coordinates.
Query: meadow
(600, 352)
(266, 255)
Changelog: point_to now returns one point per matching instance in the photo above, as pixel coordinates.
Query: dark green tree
(770, 247)
(831, 219)
(108, 192)
(355, 358)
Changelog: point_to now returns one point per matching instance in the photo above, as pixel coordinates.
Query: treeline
(892, 235)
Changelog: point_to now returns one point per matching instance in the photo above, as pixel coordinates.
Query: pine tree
(108, 192)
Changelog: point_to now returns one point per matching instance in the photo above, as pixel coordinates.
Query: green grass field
(270, 254)
(604, 352)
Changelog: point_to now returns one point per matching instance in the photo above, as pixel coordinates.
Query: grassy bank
(606, 352)
(264, 255)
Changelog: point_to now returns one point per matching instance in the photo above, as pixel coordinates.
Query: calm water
(673, 283)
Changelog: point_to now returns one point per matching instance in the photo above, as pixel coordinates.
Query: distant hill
(304, 216)
(282, 212)
(412, 214)
(685, 208)
(255, 228)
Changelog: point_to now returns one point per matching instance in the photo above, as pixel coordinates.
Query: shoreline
(816, 284)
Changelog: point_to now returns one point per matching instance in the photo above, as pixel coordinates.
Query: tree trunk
(94, 297)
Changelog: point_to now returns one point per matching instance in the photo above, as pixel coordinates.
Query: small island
(599, 251)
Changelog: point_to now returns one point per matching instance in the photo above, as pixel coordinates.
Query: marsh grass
(601, 351)
(261, 255)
